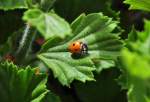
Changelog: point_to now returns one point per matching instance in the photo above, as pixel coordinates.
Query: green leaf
(103, 64)
(12, 4)
(10, 46)
(132, 36)
(44, 5)
(139, 4)
(48, 24)
(94, 30)
(122, 80)
(21, 85)
(138, 74)
(136, 66)
(67, 69)
(142, 44)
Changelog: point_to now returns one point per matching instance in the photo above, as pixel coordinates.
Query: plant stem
(23, 39)
(25, 44)
(30, 44)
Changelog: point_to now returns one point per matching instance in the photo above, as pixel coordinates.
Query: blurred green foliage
(119, 76)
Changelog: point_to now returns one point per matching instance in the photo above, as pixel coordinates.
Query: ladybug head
(75, 47)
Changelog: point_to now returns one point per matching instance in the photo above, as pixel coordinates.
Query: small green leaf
(132, 36)
(21, 85)
(122, 80)
(12, 4)
(94, 30)
(48, 24)
(139, 4)
(103, 64)
(142, 45)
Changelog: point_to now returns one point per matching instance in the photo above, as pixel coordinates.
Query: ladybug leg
(84, 49)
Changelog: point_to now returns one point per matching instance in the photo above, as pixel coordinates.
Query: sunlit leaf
(94, 30)
(139, 4)
(48, 24)
(136, 69)
(138, 74)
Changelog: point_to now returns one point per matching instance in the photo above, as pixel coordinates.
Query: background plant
(35, 62)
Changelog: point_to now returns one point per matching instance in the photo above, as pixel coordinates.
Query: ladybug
(79, 48)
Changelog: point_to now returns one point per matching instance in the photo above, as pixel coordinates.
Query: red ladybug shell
(75, 47)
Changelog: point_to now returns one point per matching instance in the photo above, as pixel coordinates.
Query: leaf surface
(12, 4)
(21, 85)
(48, 24)
(139, 4)
(136, 64)
(96, 31)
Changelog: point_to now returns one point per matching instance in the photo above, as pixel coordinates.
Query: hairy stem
(25, 44)
(23, 39)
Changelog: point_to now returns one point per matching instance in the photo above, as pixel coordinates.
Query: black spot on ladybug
(73, 44)
(76, 49)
